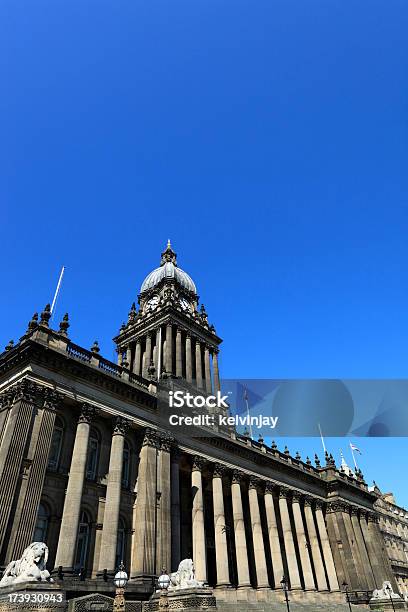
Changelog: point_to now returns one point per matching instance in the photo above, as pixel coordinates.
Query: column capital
(138, 340)
(6, 398)
(254, 482)
(198, 463)
(166, 442)
(151, 438)
(372, 517)
(270, 487)
(319, 504)
(354, 511)
(120, 426)
(284, 492)
(52, 399)
(297, 497)
(219, 470)
(27, 391)
(88, 413)
(237, 477)
(308, 500)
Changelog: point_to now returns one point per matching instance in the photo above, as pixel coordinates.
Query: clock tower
(169, 335)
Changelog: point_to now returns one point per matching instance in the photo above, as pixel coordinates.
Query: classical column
(327, 553)
(147, 355)
(362, 549)
(294, 577)
(303, 544)
(144, 515)
(199, 552)
(276, 553)
(239, 531)
(109, 539)
(208, 384)
(169, 348)
(179, 358)
(21, 401)
(164, 527)
(199, 369)
(137, 361)
(128, 356)
(26, 510)
(189, 368)
(378, 540)
(257, 536)
(175, 511)
(314, 546)
(375, 560)
(73, 497)
(221, 550)
(336, 536)
(217, 386)
(353, 561)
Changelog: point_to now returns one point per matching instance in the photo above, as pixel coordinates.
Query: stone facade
(87, 465)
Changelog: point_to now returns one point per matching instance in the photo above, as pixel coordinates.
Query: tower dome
(168, 269)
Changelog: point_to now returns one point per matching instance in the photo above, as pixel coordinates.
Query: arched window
(41, 526)
(121, 543)
(56, 444)
(81, 552)
(126, 465)
(93, 455)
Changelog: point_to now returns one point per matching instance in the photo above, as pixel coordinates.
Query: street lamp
(284, 585)
(389, 591)
(164, 583)
(120, 581)
(345, 587)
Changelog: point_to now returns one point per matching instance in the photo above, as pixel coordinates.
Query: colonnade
(174, 350)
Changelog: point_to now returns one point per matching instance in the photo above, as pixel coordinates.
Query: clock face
(185, 304)
(152, 303)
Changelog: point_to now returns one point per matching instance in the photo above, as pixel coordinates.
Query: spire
(168, 256)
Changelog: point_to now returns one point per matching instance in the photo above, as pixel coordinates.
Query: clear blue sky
(267, 139)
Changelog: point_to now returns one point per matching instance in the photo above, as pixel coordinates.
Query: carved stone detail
(88, 413)
(52, 399)
(198, 463)
(237, 477)
(285, 492)
(120, 426)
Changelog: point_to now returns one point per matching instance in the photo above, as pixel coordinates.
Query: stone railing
(108, 367)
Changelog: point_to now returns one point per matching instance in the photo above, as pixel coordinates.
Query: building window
(41, 526)
(56, 445)
(121, 544)
(93, 455)
(81, 553)
(126, 466)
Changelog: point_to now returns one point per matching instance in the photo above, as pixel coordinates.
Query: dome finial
(168, 255)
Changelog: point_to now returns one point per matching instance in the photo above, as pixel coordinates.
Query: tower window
(56, 445)
(93, 456)
(81, 552)
(126, 465)
(41, 526)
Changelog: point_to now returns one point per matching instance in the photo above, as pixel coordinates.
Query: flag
(245, 395)
(354, 448)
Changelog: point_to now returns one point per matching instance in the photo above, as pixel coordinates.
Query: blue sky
(267, 139)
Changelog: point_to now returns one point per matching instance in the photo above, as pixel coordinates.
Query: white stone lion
(30, 568)
(385, 592)
(184, 578)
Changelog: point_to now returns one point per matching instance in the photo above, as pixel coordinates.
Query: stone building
(393, 521)
(88, 465)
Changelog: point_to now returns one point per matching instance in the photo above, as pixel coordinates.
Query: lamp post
(389, 591)
(163, 582)
(284, 585)
(345, 587)
(120, 581)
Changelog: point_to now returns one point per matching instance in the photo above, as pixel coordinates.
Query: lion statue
(30, 568)
(184, 578)
(386, 592)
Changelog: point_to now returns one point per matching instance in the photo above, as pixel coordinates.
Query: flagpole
(321, 435)
(54, 301)
(247, 409)
(354, 459)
